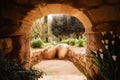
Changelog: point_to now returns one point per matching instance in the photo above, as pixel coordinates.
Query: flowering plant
(108, 61)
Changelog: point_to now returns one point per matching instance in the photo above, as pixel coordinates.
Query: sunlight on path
(63, 77)
(59, 70)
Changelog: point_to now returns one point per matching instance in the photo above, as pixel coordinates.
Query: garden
(62, 29)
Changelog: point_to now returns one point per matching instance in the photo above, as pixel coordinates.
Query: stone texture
(62, 51)
(113, 1)
(84, 64)
(105, 13)
(36, 56)
(20, 50)
(76, 55)
(95, 38)
(91, 3)
(6, 45)
(49, 52)
(75, 3)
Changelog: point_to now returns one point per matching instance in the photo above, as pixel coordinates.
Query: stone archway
(40, 11)
(22, 22)
(15, 27)
(59, 8)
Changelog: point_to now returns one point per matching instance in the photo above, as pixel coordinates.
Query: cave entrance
(56, 30)
(42, 11)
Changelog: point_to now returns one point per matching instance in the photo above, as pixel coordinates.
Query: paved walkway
(59, 70)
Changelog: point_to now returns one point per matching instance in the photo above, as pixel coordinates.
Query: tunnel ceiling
(18, 15)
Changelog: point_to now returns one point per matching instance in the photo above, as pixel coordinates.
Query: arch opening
(39, 12)
(55, 25)
(58, 29)
(45, 24)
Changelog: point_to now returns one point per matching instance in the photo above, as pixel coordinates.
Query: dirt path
(59, 70)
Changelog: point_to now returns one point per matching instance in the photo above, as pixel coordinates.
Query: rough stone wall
(105, 18)
(85, 65)
(16, 47)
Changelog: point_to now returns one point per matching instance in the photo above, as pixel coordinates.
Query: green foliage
(37, 43)
(59, 25)
(69, 41)
(109, 68)
(10, 70)
(81, 42)
(108, 61)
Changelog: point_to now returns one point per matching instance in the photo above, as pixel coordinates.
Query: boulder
(62, 50)
(49, 52)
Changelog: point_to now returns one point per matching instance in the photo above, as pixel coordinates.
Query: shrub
(70, 41)
(37, 43)
(10, 70)
(81, 42)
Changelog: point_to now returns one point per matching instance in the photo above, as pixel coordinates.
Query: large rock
(62, 50)
(49, 52)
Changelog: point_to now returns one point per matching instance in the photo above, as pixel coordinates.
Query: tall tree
(65, 25)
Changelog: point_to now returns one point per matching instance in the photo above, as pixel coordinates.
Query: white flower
(106, 46)
(114, 57)
(113, 42)
(113, 36)
(106, 41)
(111, 32)
(102, 41)
(100, 50)
(95, 52)
(96, 55)
(101, 55)
(102, 33)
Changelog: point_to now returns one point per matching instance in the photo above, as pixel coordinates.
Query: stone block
(49, 52)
